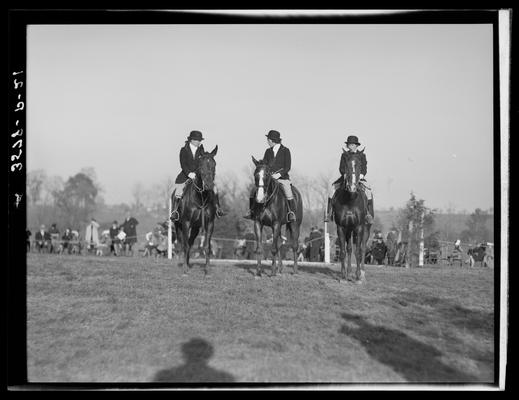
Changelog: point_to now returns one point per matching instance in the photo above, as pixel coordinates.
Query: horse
(349, 205)
(270, 209)
(197, 209)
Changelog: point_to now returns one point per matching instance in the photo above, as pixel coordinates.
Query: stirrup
(219, 213)
(248, 215)
(288, 216)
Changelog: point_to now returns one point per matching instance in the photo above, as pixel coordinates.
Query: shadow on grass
(414, 360)
(196, 354)
(476, 321)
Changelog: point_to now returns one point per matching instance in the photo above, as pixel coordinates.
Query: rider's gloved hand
(276, 176)
(191, 175)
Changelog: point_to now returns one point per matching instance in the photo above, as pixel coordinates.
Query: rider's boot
(370, 213)
(175, 216)
(329, 211)
(291, 216)
(249, 211)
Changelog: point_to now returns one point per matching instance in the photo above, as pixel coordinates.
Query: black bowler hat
(274, 136)
(352, 140)
(195, 135)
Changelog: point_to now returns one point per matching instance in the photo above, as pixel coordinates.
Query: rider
(352, 143)
(279, 160)
(189, 161)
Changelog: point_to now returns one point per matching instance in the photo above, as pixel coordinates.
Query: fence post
(420, 254)
(408, 261)
(170, 249)
(326, 244)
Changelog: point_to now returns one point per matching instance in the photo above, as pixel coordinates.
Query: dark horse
(349, 213)
(197, 209)
(270, 209)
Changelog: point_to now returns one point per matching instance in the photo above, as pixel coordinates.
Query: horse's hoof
(184, 275)
(257, 276)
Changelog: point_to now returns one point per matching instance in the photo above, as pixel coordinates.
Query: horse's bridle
(351, 187)
(269, 197)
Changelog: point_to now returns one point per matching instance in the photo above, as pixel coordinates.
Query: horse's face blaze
(261, 181)
(351, 176)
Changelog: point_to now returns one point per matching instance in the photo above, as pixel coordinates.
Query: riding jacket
(188, 163)
(281, 163)
(344, 160)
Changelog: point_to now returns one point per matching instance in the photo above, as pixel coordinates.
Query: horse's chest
(265, 217)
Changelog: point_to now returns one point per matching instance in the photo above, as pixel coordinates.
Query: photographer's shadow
(196, 354)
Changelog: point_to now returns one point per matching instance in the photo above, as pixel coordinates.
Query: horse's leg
(258, 231)
(294, 234)
(342, 252)
(192, 236)
(185, 247)
(359, 249)
(276, 232)
(207, 245)
(349, 241)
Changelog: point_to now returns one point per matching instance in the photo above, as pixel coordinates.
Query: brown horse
(197, 209)
(270, 209)
(349, 213)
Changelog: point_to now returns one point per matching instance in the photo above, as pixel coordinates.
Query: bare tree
(35, 182)
(52, 186)
(138, 195)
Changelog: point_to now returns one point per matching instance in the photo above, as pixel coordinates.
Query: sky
(123, 98)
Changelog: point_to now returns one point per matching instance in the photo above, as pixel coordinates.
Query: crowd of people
(121, 239)
(118, 239)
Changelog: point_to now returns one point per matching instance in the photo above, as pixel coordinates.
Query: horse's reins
(204, 204)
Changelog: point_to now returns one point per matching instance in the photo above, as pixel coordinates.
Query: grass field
(138, 320)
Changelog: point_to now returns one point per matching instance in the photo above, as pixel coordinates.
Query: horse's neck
(192, 192)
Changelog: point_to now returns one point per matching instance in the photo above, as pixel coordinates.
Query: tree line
(72, 202)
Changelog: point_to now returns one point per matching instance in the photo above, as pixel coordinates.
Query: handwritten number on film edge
(20, 106)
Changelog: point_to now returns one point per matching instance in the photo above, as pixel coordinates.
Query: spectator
(315, 244)
(77, 247)
(28, 235)
(66, 238)
(457, 246)
(115, 242)
(43, 240)
(321, 245)
(130, 228)
(122, 237)
(307, 248)
(54, 235)
(92, 235)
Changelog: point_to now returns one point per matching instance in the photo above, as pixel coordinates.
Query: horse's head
(207, 169)
(262, 177)
(351, 176)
